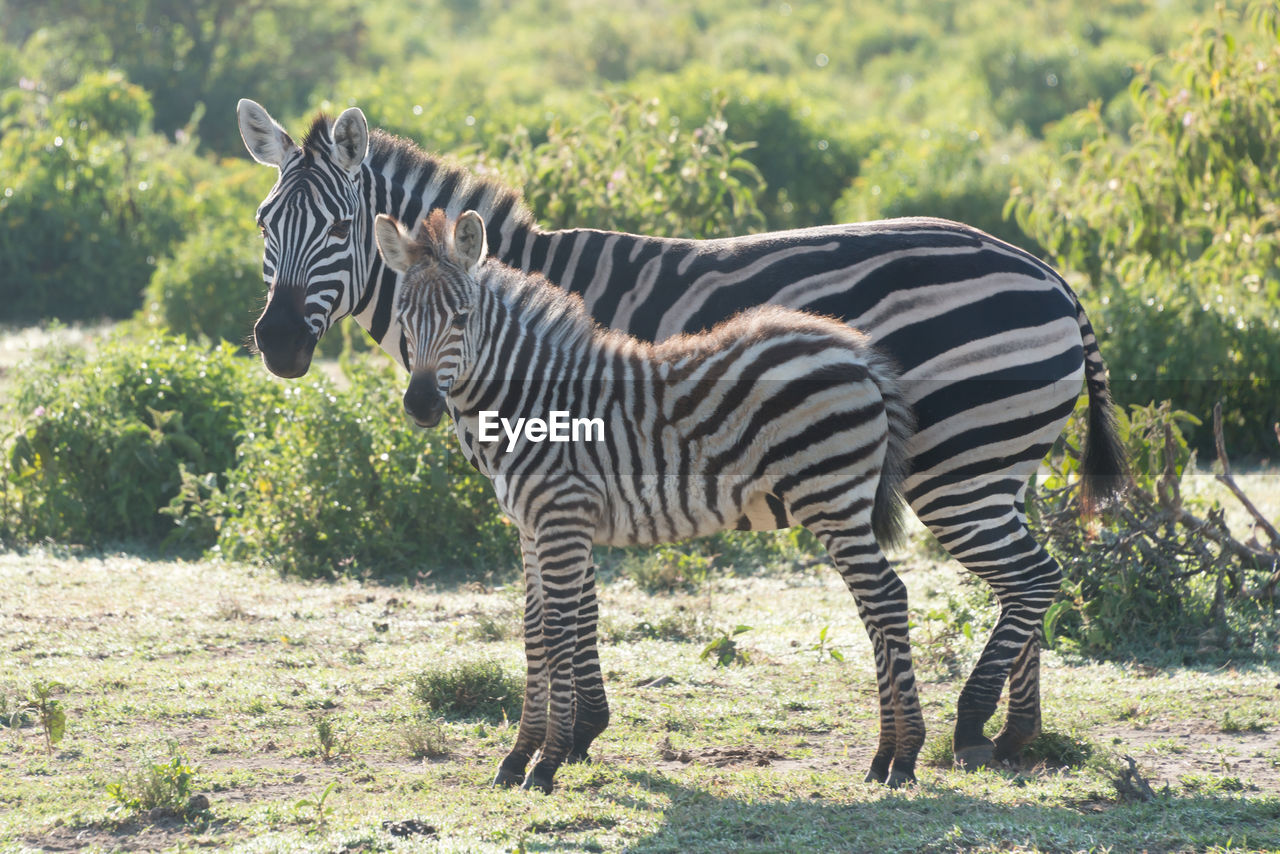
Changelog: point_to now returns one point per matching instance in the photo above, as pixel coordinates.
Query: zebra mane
(396, 156)
(558, 317)
(319, 135)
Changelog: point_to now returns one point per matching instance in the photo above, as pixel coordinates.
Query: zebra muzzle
(423, 400)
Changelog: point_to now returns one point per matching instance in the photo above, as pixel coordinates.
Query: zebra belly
(652, 509)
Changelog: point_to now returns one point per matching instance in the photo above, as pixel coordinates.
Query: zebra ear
(350, 139)
(266, 140)
(394, 243)
(469, 240)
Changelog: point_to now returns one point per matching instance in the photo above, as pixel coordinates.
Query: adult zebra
(992, 344)
(697, 431)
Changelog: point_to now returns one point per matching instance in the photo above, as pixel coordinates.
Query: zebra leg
(591, 707)
(533, 714)
(1000, 550)
(564, 561)
(881, 599)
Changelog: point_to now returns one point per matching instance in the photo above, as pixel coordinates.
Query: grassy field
(239, 672)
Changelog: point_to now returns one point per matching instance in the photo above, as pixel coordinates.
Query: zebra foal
(772, 409)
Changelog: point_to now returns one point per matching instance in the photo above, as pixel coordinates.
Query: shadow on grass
(937, 817)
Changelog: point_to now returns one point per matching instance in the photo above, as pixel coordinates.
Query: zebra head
(439, 266)
(314, 229)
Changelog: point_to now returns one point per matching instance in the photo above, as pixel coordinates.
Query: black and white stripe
(773, 407)
(991, 342)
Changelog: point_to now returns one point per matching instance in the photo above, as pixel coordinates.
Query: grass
(233, 668)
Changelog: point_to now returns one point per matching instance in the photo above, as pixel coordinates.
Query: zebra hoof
(575, 757)
(538, 782)
(507, 779)
(975, 757)
(898, 779)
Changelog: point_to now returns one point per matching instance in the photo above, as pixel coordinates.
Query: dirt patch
(1173, 754)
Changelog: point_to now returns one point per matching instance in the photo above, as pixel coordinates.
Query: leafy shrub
(633, 169)
(470, 689)
(1176, 227)
(947, 173)
(162, 786)
(1152, 577)
(805, 155)
(1035, 82)
(101, 439)
(210, 286)
(343, 484)
(90, 201)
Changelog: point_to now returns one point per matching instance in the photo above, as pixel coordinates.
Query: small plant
(329, 740)
(1059, 749)
(725, 649)
(824, 649)
(53, 720)
(471, 689)
(423, 737)
(164, 786)
(667, 569)
(320, 812)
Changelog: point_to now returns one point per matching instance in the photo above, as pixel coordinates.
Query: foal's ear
(469, 240)
(397, 247)
(266, 140)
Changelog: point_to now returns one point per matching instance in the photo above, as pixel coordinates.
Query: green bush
(634, 169)
(1036, 82)
(210, 287)
(1157, 576)
(1175, 225)
(100, 439)
(344, 484)
(90, 200)
(470, 689)
(948, 173)
(805, 155)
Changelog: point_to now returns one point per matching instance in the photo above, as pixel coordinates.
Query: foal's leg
(563, 553)
(841, 520)
(591, 711)
(533, 715)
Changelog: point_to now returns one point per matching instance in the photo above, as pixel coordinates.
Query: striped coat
(696, 432)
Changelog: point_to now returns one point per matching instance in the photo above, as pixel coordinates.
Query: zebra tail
(1104, 465)
(887, 514)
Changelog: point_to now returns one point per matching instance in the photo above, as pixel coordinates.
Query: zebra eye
(459, 320)
(340, 229)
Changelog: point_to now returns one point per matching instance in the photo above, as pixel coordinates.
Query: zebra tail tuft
(1104, 465)
(887, 514)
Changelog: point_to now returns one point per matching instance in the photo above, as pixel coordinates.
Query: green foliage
(824, 647)
(949, 173)
(167, 786)
(1151, 577)
(210, 286)
(724, 649)
(342, 483)
(319, 812)
(90, 199)
(422, 737)
(470, 690)
(1175, 226)
(805, 156)
(52, 717)
(197, 59)
(100, 441)
(635, 169)
(1034, 82)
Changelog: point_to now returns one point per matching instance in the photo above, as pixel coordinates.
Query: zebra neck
(403, 181)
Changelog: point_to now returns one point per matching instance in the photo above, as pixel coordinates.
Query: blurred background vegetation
(1132, 143)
